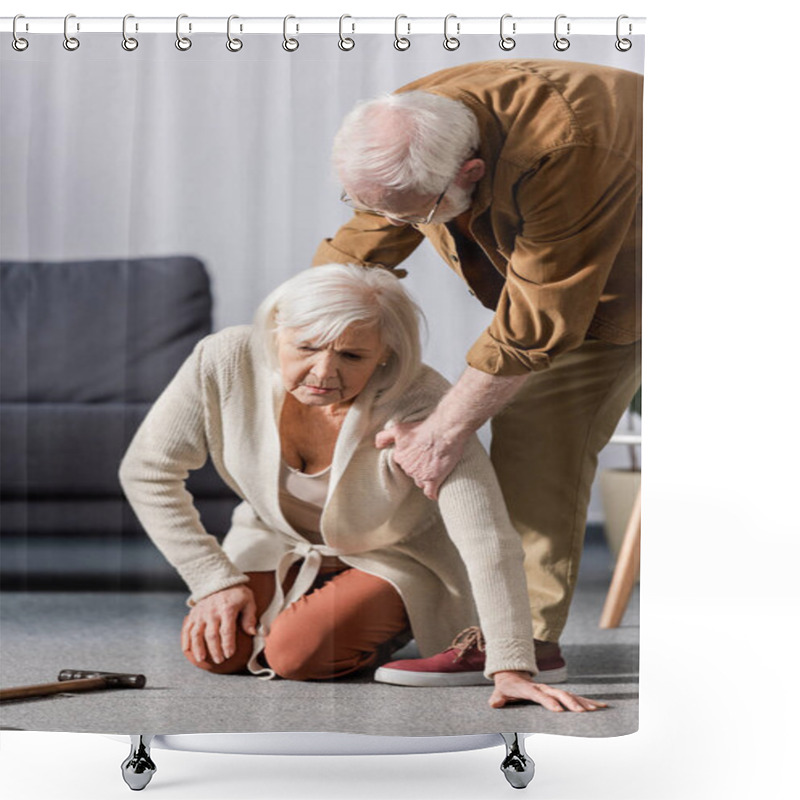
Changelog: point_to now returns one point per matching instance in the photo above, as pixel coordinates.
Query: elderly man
(525, 176)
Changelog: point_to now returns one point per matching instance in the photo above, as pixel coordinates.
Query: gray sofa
(86, 347)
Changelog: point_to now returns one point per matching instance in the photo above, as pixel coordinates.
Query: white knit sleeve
(170, 442)
(477, 521)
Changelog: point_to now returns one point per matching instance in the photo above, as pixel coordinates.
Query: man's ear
(471, 171)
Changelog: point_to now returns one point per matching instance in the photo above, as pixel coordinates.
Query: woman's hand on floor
(511, 687)
(210, 626)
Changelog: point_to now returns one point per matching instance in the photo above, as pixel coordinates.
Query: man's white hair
(413, 141)
(322, 302)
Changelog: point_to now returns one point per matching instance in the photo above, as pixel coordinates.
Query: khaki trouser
(544, 448)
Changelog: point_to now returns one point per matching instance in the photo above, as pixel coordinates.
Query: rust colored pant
(343, 624)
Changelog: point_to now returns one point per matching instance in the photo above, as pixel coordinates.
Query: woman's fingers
(570, 701)
(187, 624)
(200, 636)
(511, 688)
(197, 642)
(243, 613)
(210, 629)
(227, 636)
(214, 641)
(249, 617)
(544, 698)
(500, 698)
(573, 702)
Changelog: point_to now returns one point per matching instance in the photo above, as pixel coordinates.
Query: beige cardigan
(447, 560)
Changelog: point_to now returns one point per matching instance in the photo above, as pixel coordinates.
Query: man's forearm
(474, 399)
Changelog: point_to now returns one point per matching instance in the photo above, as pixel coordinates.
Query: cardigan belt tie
(311, 555)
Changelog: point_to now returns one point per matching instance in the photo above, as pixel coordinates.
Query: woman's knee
(262, 585)
(335, 631)
(297, 655)
(227, 667)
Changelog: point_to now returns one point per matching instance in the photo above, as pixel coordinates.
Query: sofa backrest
(98, 331)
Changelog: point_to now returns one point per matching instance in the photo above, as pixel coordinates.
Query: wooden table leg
(622, 582)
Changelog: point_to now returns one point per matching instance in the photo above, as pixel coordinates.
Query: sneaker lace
(466, 640)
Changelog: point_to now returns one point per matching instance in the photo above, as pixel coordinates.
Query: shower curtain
(153, 193)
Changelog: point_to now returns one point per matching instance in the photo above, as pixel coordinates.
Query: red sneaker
(462, 664)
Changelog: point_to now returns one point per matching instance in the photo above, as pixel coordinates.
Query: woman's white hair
(412, 141)
(324, 301)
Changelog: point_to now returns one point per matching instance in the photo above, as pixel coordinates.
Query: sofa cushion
(98, 331)
(62, 521)
(58, 450)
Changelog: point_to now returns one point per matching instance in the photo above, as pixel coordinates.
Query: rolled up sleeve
(576, 210)
(370, 241)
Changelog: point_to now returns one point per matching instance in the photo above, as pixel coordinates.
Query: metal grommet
(400, 42)
(623, 45)
(183, 43)
(18, 43)
(128, 42)
(451, 42)
(345, 42)
(507, 42)
(70, 42)
(289, 44)
(234, 45)
(561, 43)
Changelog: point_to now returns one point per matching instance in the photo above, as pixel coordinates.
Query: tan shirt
(557, 216)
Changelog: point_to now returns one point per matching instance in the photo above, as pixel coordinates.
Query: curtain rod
(404, 25)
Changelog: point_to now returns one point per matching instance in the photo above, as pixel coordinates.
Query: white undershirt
(302, 498)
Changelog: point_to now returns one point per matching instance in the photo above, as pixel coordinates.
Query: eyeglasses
(426, 220)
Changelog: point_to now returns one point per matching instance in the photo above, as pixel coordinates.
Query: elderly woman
(334, 558)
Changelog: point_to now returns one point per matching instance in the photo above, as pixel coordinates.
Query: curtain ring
(18, 43)
(345, 42)
(561, 43)
(70, 42)
(289, 44)
(234, 45)
(128, 42)
(623, 45)
(507, 42)
(400, 42)
(183, 43)
(451, 42)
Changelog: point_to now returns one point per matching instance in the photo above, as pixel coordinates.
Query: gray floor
(44, 632)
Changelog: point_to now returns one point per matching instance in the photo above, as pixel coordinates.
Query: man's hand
(424, 453)
(514, 687)
(428, 451)
(210, 626)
